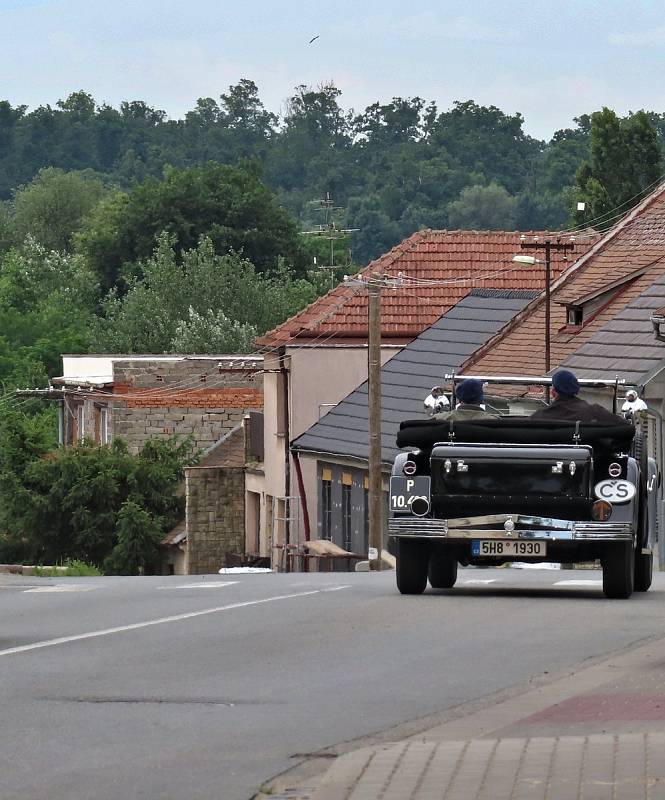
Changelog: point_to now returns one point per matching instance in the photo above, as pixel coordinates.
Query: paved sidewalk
(623, 767)
(595, 734)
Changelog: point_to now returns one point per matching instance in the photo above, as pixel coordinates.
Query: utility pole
(374, 400)
(548, 245)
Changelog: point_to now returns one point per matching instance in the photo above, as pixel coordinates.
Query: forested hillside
(394, 167)
(123, 230)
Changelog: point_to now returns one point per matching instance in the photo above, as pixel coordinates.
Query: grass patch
(72, 568)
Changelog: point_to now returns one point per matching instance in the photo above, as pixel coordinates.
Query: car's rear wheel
(412, 561)
(619, 570)
(643, 571)
(442, 572)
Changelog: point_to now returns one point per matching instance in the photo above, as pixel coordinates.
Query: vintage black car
(510, 488)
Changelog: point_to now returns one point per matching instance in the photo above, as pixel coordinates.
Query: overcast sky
(550, 60)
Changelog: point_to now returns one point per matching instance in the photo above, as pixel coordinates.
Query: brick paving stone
(597, 767)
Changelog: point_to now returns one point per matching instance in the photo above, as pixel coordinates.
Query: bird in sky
(314, 38)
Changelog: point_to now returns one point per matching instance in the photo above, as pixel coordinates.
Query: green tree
(231, 206)
(483, 208)
(51, 208)
(46, 305)
(138, 536)
(101, 505)
(625, 161)
(201, 300)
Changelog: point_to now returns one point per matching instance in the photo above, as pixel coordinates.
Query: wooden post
(374, 400)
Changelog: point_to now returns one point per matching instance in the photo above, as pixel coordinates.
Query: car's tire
(412, 561)
(442, 571)
(619, 570)
(643, 572)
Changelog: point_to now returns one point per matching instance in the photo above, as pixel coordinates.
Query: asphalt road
(205, 687)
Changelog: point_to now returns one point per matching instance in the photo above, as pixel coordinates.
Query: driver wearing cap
(566, 405)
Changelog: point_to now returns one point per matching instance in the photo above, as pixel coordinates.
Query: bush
(98, 505)
(72, 568)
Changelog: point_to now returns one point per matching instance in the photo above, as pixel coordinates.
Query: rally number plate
(502, 547)
(403, 491)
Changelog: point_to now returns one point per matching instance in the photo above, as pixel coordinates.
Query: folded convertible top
(514, 430)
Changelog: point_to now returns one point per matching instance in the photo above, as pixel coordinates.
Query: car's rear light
(601, 511)
(615, 470)
(420, 506)
(409, 467)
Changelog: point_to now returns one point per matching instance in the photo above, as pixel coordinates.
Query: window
(326, 504)
(101, 424)
(346, 517)
(104, 425)
(575, 315)
(80, 422)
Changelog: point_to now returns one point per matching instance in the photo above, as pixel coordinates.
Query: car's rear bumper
(508, 526)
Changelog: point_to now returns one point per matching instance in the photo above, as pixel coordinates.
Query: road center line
(579, 583)
(149, 623)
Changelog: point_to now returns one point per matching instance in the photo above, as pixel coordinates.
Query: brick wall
(215, 516)
(186, 397)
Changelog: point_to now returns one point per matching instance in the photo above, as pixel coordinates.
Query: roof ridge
(507, 294)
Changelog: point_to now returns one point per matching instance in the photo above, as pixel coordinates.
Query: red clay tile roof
(470, 259)
(637, 242)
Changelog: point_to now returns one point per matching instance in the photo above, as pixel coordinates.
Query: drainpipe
(303, 496)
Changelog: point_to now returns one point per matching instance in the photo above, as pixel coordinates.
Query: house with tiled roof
(317, 357)
(337, 446)
(601, 310)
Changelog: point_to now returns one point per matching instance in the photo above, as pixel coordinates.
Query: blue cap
(565, 382)
(470, 391)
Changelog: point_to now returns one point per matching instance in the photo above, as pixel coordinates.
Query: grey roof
(407, 378)
(624, 346)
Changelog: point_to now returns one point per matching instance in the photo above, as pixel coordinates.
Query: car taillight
(409, 467)
(601, 511)
(420, 506)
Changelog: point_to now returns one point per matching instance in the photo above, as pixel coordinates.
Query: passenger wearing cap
(470, 396)
(566, 405)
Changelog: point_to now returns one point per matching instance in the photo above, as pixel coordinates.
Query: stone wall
(215, 517)
(184, 397)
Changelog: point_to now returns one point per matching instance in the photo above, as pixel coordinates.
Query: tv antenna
(330, 231)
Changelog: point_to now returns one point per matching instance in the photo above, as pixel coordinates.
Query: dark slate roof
(407, 378)
(624, 346)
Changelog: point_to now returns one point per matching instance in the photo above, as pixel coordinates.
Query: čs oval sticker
(615, 491)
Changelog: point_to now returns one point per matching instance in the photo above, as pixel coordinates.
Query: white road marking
(62, 587)
(149, 623)
(202, 585)
(479, 581)
(579, 583)
(337, 588)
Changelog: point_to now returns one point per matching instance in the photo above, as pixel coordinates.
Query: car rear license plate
(503, 547)
(403, 491)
